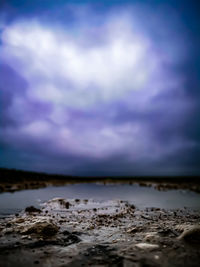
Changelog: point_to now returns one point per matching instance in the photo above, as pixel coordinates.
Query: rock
(67, 205)
(26, 237)
(66, 232)
(44, 229)
(182, 227)
(147, 217)
(156, 257)
(191, 235)
(168, 232)
(58, 203)
(147, 246)
(132, 230)
(71, 239)
(20, 220)
(7, 231)
(32, 209)
(151, 237)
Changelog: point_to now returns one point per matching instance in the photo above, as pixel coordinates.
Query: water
(140, 196)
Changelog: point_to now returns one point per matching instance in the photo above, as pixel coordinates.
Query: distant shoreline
(13, 180)
(21, 174)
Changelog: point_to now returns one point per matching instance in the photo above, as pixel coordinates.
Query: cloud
(77, 71)
(90, 96)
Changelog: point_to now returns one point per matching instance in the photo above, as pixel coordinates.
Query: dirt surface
(73, 232)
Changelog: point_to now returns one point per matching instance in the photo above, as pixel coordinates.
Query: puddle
(141, 197)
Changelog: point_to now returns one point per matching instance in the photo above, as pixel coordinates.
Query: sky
(100, 87)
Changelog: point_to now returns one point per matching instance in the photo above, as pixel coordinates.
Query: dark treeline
(13, 176)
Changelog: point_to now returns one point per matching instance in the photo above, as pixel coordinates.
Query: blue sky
(100, 87)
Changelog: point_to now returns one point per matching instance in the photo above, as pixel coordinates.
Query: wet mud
(74, 232)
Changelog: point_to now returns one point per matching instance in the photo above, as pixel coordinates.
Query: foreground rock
(191, 235)
(42, 229)
(32, 209)
(113, 233)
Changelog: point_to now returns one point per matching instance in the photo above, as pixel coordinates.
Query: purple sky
(100, 90)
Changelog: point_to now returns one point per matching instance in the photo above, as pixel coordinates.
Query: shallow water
(141, 197)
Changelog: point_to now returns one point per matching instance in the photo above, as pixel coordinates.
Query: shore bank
(15, 180)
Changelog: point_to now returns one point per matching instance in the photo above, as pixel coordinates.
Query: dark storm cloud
(100, 88)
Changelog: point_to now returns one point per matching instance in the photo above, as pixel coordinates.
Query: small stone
(24, 236)
(67, 205)
(32, 209)
(7, 231)
(151, 237)
(66, 232)
(147, 217)
(20, 220)
(147, 246)
(131, 230)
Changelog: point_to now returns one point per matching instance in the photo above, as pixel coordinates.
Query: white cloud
(123, 62)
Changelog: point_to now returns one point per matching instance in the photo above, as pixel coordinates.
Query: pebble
(150, 237)
(132, 230)
(147, 246)
(7, 231)
(32, 209)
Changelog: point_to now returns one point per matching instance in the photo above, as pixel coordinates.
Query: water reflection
(139, 196)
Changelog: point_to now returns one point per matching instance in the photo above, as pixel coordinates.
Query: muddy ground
(73, 232)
